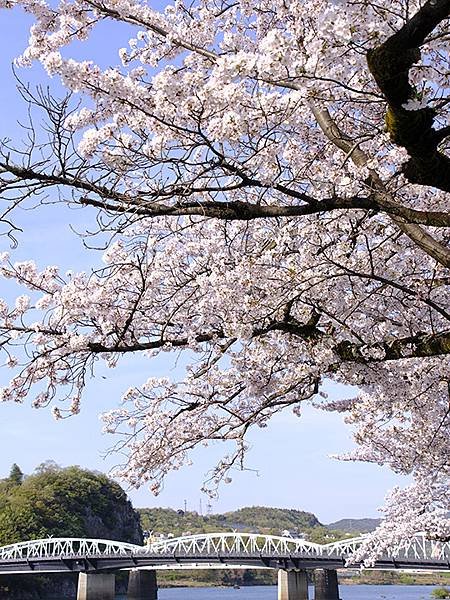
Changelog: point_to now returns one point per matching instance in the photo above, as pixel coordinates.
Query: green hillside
(169, 521)
(56, 502)
(262, 518)
(254, 519)
(69, 502)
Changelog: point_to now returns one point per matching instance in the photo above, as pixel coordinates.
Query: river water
(347, 592)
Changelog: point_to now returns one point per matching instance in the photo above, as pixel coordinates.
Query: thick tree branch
(149, 206)
(418, 346)
(389, 64)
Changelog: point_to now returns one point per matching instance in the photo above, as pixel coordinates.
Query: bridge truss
(228, 550)
(415, 549)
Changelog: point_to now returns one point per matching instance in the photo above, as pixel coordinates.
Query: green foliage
(271, 520)
(255, 519)
(167, 520)
(440, 593)
(323, 535)
(15, 475)
(69, 502)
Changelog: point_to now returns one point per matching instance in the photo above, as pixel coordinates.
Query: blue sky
(289, 458)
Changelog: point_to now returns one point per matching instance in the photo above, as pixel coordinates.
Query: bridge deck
(225, 550)
(113, 563)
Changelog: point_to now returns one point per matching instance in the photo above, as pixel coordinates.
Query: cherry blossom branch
(417, 346)
(152, 26)
(147, 204)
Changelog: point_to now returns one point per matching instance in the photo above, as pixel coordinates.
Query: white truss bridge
(417, 548)
(227, 550)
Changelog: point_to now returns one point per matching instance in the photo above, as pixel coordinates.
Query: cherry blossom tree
(273, 177)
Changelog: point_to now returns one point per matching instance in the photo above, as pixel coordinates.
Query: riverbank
(395, 578)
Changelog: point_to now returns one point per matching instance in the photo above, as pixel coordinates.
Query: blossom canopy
(274, 179)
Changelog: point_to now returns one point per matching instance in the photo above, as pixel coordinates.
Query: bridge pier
(292, 585)
(142, 585)
(326, 584)
(96, 586)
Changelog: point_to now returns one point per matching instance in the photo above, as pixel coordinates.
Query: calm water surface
(347, 592)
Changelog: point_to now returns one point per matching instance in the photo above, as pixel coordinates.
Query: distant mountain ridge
(355, 525)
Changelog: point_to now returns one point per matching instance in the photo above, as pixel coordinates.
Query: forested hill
(70, 502)
(256, 519)
(262, 517)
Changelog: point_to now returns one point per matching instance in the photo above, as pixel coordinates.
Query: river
(347, 592)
